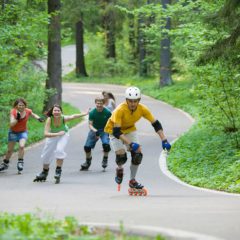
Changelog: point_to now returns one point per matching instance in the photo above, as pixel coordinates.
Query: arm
(159, 130)
(47, 129)
(90, 124)
(13, 120)
(40, 119)
(74, 116)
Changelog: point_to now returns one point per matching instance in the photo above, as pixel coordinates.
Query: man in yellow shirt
(122, 130)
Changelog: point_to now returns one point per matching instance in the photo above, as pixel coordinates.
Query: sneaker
(119, 175)
(134, 184)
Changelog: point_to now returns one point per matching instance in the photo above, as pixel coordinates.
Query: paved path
(91, 196)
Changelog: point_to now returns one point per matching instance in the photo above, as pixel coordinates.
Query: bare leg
(10, 150)
(22, 143)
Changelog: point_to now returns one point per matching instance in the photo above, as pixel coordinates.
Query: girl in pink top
(18, 132)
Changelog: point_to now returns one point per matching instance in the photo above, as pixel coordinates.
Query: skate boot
(104, 162)
(20, 166)
(42, 177)
(85, 166)
(4, 165)
(119, 177)
(57, 175)
(136, 189)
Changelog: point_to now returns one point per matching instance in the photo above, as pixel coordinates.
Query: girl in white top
(109, 99)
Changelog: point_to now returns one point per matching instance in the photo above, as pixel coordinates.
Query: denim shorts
(16, 136)
(91, 138)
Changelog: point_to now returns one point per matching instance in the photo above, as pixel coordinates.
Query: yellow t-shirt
(126, 119)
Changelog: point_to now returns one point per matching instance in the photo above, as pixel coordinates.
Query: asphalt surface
(171, 208)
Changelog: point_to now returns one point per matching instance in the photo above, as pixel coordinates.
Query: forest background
(182, 52)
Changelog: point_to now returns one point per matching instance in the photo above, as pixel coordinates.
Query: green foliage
(206, 158)
(98, 65)
(219, 91)
(33, 226)
(20, 42)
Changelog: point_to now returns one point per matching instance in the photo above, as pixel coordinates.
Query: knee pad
(87, 149)
(136, 158)
(121, 159)
(106, 147)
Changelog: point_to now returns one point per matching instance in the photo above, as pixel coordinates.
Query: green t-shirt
(62, 127)
(99, 119)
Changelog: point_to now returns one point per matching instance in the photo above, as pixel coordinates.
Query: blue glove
(134, 146)
(166, 145)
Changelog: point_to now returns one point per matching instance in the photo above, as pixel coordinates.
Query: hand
(41, 119)
(61, 133)
(166, 145)
(134, 146)
(18, 116)
(97, 133)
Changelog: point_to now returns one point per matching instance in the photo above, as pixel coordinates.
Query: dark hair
(49, 112)
(109, 94)
(17, 101)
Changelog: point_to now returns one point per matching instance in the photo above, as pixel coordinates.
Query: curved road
(171, 208)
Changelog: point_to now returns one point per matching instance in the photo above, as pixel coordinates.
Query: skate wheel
(145, 192)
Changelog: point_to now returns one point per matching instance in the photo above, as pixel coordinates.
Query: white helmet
(133, 93)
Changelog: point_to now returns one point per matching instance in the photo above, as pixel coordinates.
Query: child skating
(57, 136)
(18, 132)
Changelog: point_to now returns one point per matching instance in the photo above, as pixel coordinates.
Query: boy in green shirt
(98, 118)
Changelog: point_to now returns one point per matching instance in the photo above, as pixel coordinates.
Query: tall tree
(54, 66)
(84, 15)
(109, 26)
(165, 52)
(142, 46)
(80, 61)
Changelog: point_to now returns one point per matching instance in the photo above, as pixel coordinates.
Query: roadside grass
(30, 226)
(35, 129)
(202, 157)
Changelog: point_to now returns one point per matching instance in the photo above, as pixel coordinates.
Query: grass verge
(31, 226)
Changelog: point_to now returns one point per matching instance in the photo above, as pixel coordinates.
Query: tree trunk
(54, 66)
(110, 35)
(132, 37)
(165, 52)
(80, 63)
(141, 47)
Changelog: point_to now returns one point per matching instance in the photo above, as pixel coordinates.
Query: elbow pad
(117, 132)
(157, 126)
